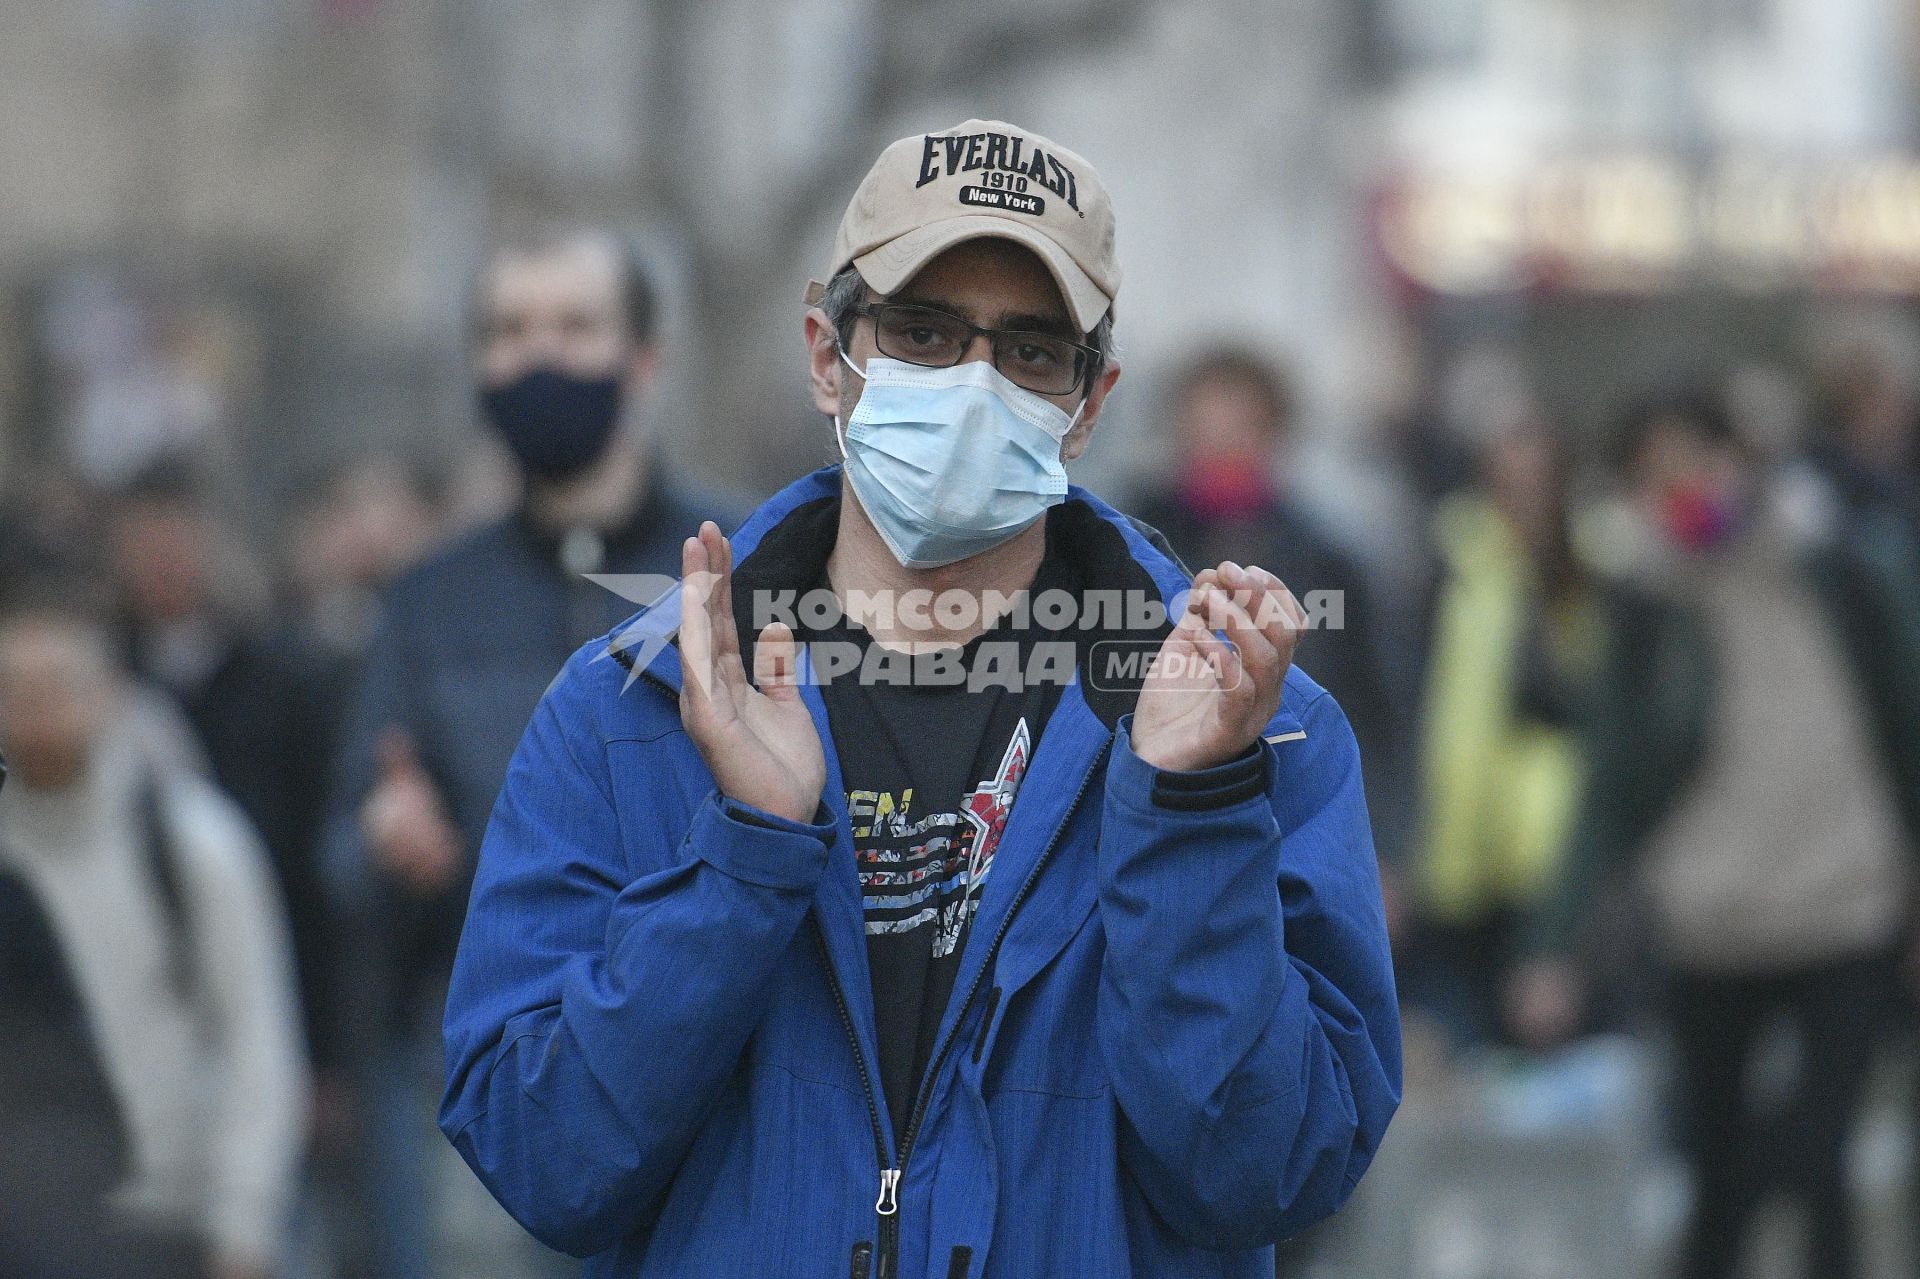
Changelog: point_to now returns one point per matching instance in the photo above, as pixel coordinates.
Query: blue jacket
(1172, 1042)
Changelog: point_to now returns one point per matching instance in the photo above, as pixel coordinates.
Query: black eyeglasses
(1040, 362)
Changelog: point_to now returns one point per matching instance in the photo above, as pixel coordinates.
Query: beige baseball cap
(979, 179)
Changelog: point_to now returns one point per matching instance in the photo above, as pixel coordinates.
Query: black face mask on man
(557, 423)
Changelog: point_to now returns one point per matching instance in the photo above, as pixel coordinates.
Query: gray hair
(846, 291)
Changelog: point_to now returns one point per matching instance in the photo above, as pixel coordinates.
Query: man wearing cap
(938, 882)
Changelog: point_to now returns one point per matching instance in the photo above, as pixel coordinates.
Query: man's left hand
(1206, 700)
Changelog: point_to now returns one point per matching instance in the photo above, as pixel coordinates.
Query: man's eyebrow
(1056, 325)
(931, 304)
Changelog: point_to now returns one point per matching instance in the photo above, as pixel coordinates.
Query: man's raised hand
(756, 736)
(1205, 700)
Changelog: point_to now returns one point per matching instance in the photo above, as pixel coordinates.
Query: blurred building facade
(1557, 166)
(277, 203)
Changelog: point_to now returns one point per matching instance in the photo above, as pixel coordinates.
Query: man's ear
(1076, 442)
(824, 368)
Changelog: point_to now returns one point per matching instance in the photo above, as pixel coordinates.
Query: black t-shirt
(932, 752)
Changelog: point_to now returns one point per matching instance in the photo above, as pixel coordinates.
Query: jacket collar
(656, 506)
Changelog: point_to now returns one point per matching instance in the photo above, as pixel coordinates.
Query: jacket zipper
(890, 1221)
(887, 1206)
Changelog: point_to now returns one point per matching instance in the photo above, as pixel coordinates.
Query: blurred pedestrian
(1227, 497)
(196, 622)
(1765, 793)
(1866, 447)
(565, 350)
(1517, 637)
(353, 531)
(1866, 439)
(162, 904)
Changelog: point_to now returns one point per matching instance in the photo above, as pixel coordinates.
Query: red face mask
(1224, 488)
(1698, 516)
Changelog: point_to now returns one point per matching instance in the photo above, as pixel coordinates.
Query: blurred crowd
(1640, 710)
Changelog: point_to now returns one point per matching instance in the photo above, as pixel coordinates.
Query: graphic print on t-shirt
(929, 868)
(931, 768)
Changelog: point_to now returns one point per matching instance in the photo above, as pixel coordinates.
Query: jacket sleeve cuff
(759, 847)
(1202, 790)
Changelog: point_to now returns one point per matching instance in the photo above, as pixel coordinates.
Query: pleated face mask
(949, 463)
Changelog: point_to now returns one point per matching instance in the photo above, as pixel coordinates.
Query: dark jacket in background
(468, 641)
(266, 716)
(62, 1143)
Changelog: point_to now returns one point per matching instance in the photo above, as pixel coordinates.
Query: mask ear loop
(838, 441)
(1082, 408)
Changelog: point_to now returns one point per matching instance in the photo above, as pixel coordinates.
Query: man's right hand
(759, 742)
(404, 822)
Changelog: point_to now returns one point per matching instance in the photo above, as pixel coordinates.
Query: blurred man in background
(163, 905)
(564, 353)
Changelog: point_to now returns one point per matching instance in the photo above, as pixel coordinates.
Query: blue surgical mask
(948, 463)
